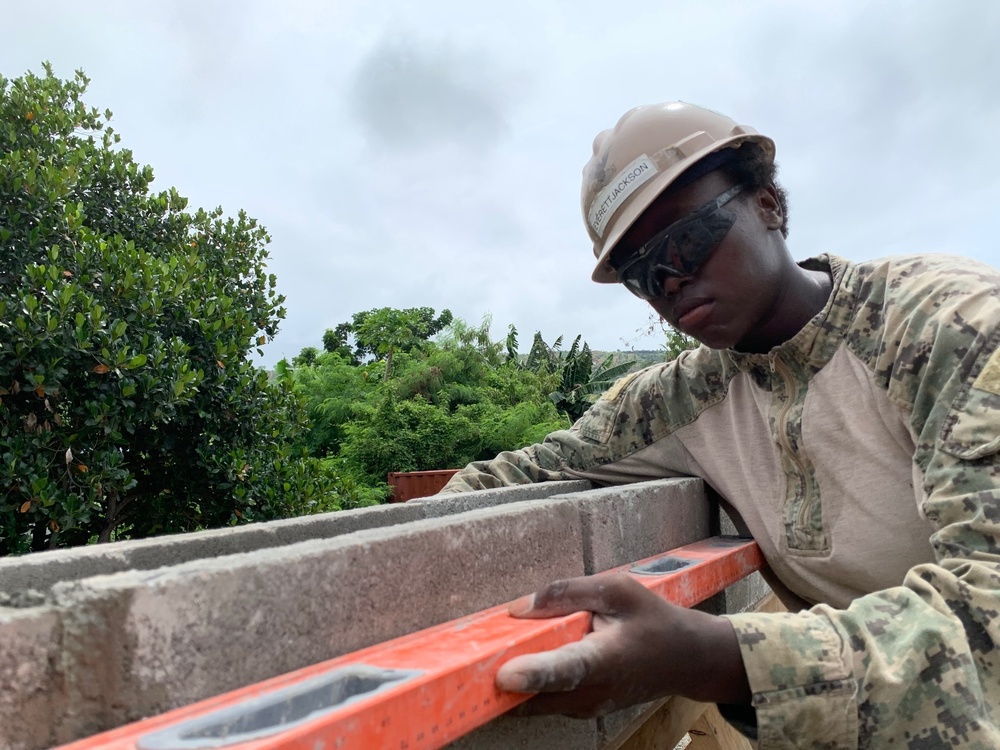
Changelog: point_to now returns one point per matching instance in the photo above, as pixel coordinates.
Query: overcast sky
(429, 153)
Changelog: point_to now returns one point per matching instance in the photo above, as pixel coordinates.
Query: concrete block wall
(30, 646)
(97, 637)
(742, 595)
(21, 575)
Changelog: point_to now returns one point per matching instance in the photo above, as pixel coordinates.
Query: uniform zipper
(804, 475)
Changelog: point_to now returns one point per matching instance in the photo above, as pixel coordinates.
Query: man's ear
(769, 207)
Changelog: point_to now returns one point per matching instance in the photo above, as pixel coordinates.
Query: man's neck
(802, 297)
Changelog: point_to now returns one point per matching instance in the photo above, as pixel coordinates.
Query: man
(850, 413)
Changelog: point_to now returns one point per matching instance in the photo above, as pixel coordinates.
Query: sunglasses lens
(634, 282)
(680, 253)
(691, 244)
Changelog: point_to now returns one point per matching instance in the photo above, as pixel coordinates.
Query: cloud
(884, 115)
(429, 153)
(408, 95)
(214, 40)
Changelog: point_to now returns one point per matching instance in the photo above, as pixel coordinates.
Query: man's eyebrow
(628, 246)
(688, 206)
(664, 205)
(676, 208)
(674, 213)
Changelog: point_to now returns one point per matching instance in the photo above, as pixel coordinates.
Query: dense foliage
(580, 380)
(379, 334)
(449, 400)
(128, 404)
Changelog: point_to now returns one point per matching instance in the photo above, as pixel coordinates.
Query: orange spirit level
(418, 692)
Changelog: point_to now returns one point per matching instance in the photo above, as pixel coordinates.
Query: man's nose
(673, 284)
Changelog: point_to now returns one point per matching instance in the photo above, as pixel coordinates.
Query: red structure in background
(407, 485)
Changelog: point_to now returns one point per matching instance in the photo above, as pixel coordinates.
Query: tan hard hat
(646, 151)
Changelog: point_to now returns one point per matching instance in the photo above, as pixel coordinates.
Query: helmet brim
(604, 273)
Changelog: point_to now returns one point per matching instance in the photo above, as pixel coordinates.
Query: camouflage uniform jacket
(864, 456)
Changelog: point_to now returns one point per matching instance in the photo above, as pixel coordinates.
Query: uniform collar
(812, 346)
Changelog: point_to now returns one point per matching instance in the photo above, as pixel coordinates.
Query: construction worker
(848, 412)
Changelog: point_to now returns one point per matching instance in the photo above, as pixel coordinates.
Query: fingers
(603, 594)
(639, 647)
(598, 673)
(564, 669)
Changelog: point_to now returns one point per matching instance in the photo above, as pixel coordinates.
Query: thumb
(549, 671)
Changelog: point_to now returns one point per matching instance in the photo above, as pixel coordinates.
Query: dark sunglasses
(680, 249)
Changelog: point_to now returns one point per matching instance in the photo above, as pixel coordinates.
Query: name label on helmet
(615, 192)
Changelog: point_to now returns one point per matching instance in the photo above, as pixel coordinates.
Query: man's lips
(691, 313)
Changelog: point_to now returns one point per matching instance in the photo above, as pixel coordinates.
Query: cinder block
(611, 726)
(437, 506)
(635, 521)
(532, 733)
(93, 661)
(742, 596)
(40, 571)
(180, 634)
(233, 607)
(30, 693)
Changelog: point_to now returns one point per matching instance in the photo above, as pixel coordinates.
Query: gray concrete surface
(743, 595)
(174, 620)
(532, 733)
(42, 570)
(445, 505)
(610, 726)
(194, 630)
(632, 522)
(29, 676)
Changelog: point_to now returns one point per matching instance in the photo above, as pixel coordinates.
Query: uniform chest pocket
(972, 428)
(598, 423)
(628, 417)
(616, 412)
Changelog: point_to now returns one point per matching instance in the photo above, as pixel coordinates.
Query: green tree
(459, 335)
(583, 382)
(336, 340)
(674, 341)
(576, 381)
(381, 333)
(306, 357)
(411, 435)
(128, 405)
(449, 401)
(332, 389)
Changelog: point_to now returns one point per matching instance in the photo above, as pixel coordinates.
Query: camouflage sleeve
(536, 463)
(914, 666)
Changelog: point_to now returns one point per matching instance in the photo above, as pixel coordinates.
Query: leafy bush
(128, 405)
(409, 435)
(445, 403)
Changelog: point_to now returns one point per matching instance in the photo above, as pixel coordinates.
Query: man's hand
(641, 647)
